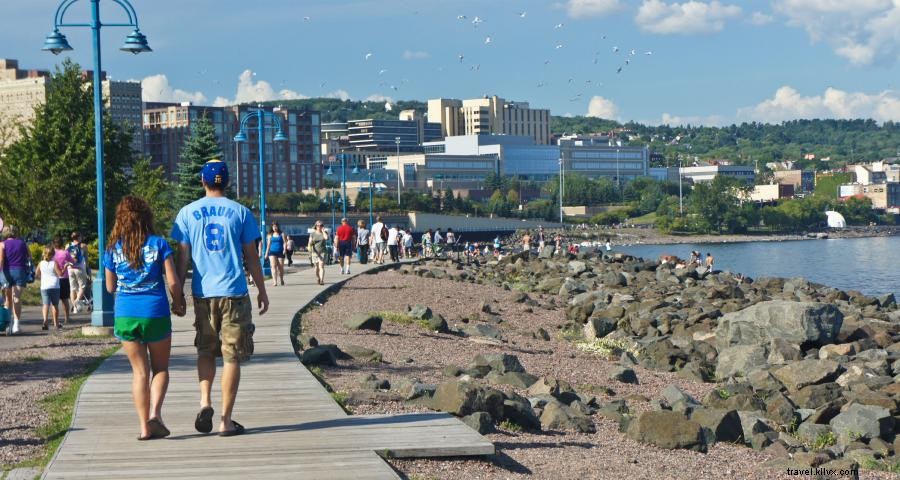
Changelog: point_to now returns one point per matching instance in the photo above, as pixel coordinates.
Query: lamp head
(56, 43)
(136, 43)
(280, 136)
(240, 137)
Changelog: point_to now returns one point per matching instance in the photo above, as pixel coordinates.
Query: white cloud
(415, 55)
(789, 104)
(156, 88)
(862, 31)
(249, 91)
(339, 93)
(377, 97)
(760, 19)
(592, 8)
(602, 108)
(692, 17)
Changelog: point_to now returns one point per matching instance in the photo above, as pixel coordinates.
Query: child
(49, 272)
(135, 263)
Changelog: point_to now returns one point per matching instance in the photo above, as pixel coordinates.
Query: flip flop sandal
(238, 430)
(203, 423)
(157, 429)
(148, 437)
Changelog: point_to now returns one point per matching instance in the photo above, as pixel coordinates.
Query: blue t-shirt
(141, 292)
(216, 228)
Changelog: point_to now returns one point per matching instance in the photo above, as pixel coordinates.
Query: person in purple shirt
(13, 273)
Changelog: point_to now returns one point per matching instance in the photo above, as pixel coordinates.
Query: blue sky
(712, 61)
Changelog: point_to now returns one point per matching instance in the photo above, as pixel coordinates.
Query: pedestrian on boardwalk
(65, 261)
(393, 243)
(79, 273)
(49, 272)
(426, 244)
(408, 247)
(317, 247)
(380, 236)
(362, 241)
(14, 265)
(346, 237)
(289, 250)
(275, 247)
(217, 234)
(135, 263)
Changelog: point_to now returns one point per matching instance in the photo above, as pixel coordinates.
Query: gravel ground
(36, 368)
(410, 351)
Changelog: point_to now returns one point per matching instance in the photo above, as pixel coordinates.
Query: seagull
(571, 80)
(388, 107)
(648, 53)
(522, 14)
(307, 18)
(633, 52)
(559, 46)
(382, 71)
(393, 87)
(627, 62)
(368, 56)
(322, 84)
(487, 40)
(460, 17)
(476, 21)
(546, 62)
(615, 49)
(475, 67)
(558, 25)
(539, 85)
(595, 61)
(461, 57)
(619, 70)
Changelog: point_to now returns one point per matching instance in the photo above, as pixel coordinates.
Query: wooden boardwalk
(294, 428)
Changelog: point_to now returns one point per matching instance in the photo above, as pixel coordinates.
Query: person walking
(14, 265)
(426, 243)
(79, 273)
(217, 234)
(393, 243)
(526, 242)
(289, 250)
(362, 241)
(380, 235)
(135, 263)
(318, 248)
(540, 239)
(407, 241)
(438, 238)
(65, 261)
(49, 272)
(451, 241)
(275, 246)
(346, 238)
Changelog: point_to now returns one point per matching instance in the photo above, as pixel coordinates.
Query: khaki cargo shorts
(224, 328)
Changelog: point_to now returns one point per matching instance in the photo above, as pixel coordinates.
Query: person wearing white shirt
(379, 240)
(438, 238)
(393, 244)
(407, 240)
(426, 243)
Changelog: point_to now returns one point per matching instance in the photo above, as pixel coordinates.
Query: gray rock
(725, 424)
(676, 399)
(518, 409)
(499, 363)
(363, 321)
(318, 355)
(740, 360)
(415, 389)
(437, 323)
(624, 375)
(516, 379)
(807, 372)
(781, 352)
(814, 396)
(862, 422)
(666, 429)
(598, 328)
(420, 312)
(466, 398)
(482, 330)
(614, 279)
(780, 409)
(753, 423)
(371, 382)
(481, 422)
(558, 416)
(576, 267)
(794, 322)
(810, 432)
(362, 353)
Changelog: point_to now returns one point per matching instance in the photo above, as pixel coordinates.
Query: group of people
(62, 270)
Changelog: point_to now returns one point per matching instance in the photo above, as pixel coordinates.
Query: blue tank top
(276, 243)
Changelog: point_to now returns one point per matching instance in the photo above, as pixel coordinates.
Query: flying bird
(615, 49)
(393, 87)
(307, 18)
(571, 80)
(477, 21)
(382, 71)
(558, 25)
(539, 85)
(546, 62)
(475, 67)
(648, 53)
(633, 52)
(460, 17)
(461, 57)
(627, 62)
(487, 40)
(368, 56)
(559, 46)
(619, 70)
(522, 14)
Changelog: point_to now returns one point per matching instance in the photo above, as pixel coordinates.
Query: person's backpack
(77, 253)
(384, 234)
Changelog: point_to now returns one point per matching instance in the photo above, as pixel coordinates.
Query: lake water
(869, 265)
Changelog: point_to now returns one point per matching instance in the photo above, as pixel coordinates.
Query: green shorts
(143, 329)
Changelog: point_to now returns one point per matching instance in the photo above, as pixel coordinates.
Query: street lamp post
(330, 172)
(560, 190)
(618, 181)
(241, 136)
(135, 43)
(399, 165)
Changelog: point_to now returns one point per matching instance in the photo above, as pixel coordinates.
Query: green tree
(48, 175)
(201, 147)
(150, 184)
(857, 211)
(715, 205)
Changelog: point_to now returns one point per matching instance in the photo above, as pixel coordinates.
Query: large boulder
(559, 416)
(862, 422)
(518, 409)
(420, 312)
(481, 422)
(740, 360)
(482, 330)
(499, 362)
(318, 355)
(363, 354)
(465, 398)
(795, 322)
(667, 429)
(598, 328)
(807, 372)
(725, 424)
(363, 321)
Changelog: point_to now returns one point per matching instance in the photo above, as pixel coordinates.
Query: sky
(710, 62)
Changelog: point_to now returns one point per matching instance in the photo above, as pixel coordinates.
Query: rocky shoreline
(675, 360)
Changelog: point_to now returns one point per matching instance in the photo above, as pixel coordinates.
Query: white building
(709, 172)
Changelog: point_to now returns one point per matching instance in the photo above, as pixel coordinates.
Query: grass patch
(510, 426)
(824, 440)
(571, 333)
(31, 296)
(723, 393)
(401, 319)
(607, 347)
(33, 358)
(61, 405)
(341, 399)
(883, 465)
(77, 334)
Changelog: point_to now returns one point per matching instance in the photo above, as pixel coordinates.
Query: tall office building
(168, 125)
(490, 115)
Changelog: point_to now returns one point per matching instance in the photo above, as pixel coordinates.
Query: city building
(490, 115)
(804, 181)
(436, 171)
(597, 157)
(23, 90)
(771, 193)
(884, 196)
(709, 172)
(877, 172)
(291, 166)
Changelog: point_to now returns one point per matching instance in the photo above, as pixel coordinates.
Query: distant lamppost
(371, 177)
(397, 142)
(135, 43)
(561, 191)
(260, 115)
(330, 172)
(618, 180)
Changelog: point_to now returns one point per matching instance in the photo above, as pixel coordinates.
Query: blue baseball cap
(215, 173)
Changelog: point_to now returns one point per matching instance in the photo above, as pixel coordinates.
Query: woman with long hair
(275, 245)
(14, 263)
(317, 250)
(135, 262)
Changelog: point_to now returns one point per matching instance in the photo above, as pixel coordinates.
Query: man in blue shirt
(217, 234)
